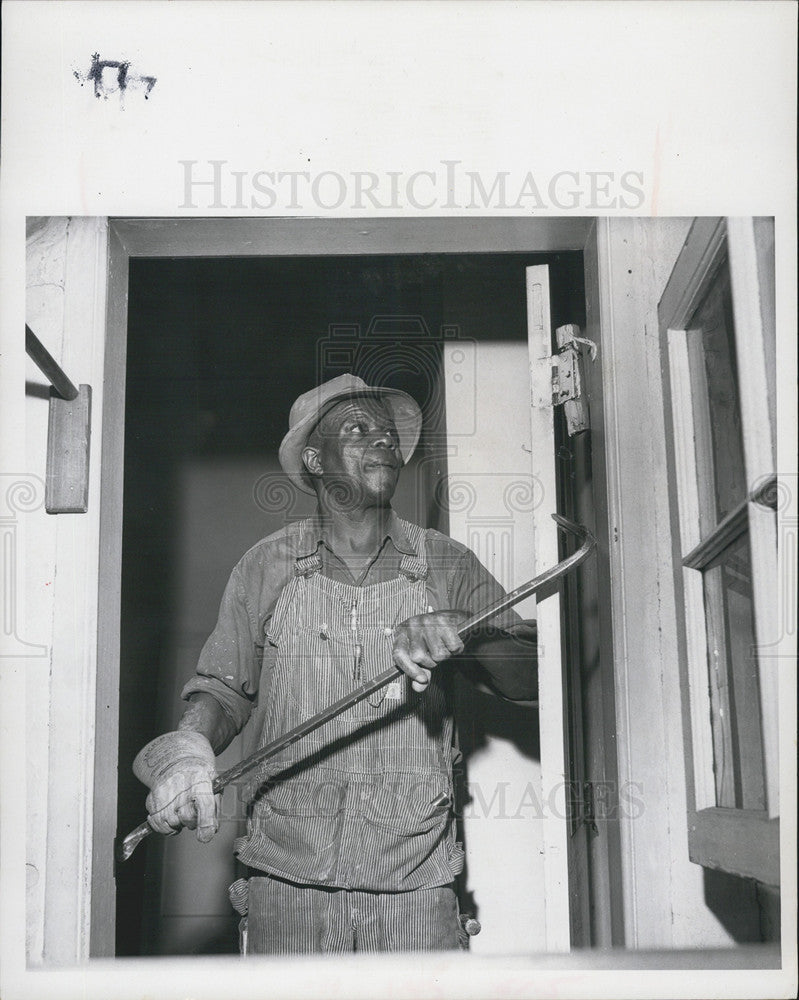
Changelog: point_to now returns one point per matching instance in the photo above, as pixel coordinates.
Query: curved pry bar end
(567, 525)
(132, 841)
(573, 528)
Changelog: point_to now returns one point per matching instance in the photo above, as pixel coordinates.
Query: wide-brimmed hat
(311, 406)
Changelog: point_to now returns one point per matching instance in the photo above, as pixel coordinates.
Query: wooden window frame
(740, 841)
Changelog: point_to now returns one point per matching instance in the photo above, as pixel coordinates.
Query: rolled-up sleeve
(230, 662)
(503, 652)
(472, 588)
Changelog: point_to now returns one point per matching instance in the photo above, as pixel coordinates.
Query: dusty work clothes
(365, 802)
(286, 919)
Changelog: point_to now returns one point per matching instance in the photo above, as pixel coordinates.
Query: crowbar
(588, 543)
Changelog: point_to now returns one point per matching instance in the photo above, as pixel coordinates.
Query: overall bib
(364, 802)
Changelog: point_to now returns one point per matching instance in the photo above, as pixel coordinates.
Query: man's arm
(502, 654)
(505, 660)
(179, 767)
(206, 716)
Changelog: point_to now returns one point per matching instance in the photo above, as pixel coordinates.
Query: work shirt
(229, 667)
(364, 802)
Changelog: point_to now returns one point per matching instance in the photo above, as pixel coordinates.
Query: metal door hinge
(566, 378)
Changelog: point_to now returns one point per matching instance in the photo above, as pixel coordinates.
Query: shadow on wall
(481, 718)
(757, 921)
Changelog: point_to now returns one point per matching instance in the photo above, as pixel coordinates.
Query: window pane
(717, 415)
(734, 687)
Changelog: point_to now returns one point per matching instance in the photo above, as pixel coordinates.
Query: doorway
(217, 350)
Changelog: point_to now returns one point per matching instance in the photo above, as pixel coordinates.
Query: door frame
(598, 914)
(549, 614)
(228, 237)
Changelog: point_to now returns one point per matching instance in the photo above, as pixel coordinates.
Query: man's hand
(422, 642)
(179, 768)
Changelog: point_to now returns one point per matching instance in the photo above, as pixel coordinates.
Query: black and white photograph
(400, 569)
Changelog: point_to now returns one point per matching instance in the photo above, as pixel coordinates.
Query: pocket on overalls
(409, 805)
(310, 672)
(405, 825)
(304, 818)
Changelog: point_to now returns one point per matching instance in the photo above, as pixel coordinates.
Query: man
(351, 833)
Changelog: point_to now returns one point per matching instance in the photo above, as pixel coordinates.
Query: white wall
(503, 827)
(66, 265)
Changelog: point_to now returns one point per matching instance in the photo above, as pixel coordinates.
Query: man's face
(355, 451)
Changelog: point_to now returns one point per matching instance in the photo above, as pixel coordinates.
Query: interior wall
(492, 494)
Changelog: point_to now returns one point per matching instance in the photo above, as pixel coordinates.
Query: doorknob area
(570, 377)
(567, 378)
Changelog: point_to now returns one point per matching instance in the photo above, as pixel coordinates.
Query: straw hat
(311, 406)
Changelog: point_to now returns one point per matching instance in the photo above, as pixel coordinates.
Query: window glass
(718, 411)
(734, 687)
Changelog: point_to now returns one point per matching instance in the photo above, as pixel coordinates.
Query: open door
(554, 765)
(582, 863)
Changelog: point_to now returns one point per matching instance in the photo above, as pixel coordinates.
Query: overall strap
(414, 566)
(309, 564)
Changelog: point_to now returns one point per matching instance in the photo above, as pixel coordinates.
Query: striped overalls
(359, 813)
